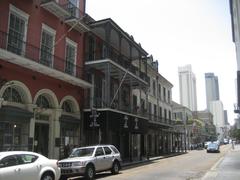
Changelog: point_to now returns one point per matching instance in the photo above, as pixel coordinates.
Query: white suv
(91, 159)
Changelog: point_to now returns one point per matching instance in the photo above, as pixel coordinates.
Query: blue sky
(176, 33)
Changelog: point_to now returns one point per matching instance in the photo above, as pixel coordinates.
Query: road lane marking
(212, 173)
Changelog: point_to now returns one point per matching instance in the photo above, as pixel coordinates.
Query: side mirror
(1, 165)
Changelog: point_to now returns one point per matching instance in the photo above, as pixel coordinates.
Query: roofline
(118, 27)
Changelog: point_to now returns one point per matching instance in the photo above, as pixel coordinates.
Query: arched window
(43, 102)
(12, 95)
(67, 106)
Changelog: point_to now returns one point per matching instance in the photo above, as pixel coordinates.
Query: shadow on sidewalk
(133, 164)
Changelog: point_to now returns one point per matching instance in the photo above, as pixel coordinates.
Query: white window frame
(22, 15)
(52, 32)
(75, 45)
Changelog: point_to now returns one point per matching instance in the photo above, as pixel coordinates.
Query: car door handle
(17, 169)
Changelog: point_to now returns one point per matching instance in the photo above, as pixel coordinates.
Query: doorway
(136, 146)
(41, 138)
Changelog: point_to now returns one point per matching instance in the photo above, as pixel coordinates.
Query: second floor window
(169, 96)
(150, 108)
(155, 110)
(165, 114)
(159, 91)
(135, 103)
(160, 112)
(47, 46)
(71, 54)
(73, 8)
(154, 88)
(143, 105)
(164, 94)
(17, 30)
(169, 115)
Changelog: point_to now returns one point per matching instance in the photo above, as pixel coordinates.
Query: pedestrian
(66, 151)
(232, 144)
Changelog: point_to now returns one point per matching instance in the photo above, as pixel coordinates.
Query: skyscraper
(212, 88)
(216, 108)
(187, 87)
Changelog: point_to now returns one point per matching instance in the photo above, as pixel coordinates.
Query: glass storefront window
(13, 136)
(69, 138)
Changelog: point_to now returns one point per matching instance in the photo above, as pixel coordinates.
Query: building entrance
(41, 138)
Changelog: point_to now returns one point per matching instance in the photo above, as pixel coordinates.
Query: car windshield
(83, 152)
(212, 145)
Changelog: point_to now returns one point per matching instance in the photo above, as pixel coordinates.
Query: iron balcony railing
(158, 119)
(118, 58)
(73, 10)
(42, 56)
(100, 103)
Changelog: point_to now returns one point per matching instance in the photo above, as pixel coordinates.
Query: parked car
(24, 165)
(206, 144)
(225, 141)
(213, 147)
(89, 160)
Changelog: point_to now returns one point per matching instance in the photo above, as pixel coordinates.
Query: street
(227, 168)
(193, 165)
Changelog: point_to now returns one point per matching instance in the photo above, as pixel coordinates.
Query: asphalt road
(193, 165)
(227, 168)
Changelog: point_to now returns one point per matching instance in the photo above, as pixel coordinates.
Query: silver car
(89, 160)
(24, 165)
(213, 147)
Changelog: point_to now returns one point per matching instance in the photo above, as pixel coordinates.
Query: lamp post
(13, 138)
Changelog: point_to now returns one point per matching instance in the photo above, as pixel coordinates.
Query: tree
(235, 133)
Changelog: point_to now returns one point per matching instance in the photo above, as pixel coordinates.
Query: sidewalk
(126, 165)
(227, 168)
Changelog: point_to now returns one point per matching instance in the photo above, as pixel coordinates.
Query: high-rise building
(212, 88)
(187, 87)
(216, 108)
(226, 117)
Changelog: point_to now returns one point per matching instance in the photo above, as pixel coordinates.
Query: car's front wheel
(90, 172)
(47, 176)
(115, 167)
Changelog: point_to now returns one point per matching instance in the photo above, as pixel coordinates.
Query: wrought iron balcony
(14, 50)
(100, 103)
(117, 58)
(76, 19)
(57, 8)
(161, 120)
(67, 11)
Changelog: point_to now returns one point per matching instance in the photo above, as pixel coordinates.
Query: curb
(148, 161)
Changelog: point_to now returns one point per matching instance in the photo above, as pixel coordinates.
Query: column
(107, 84)
(32, 108)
